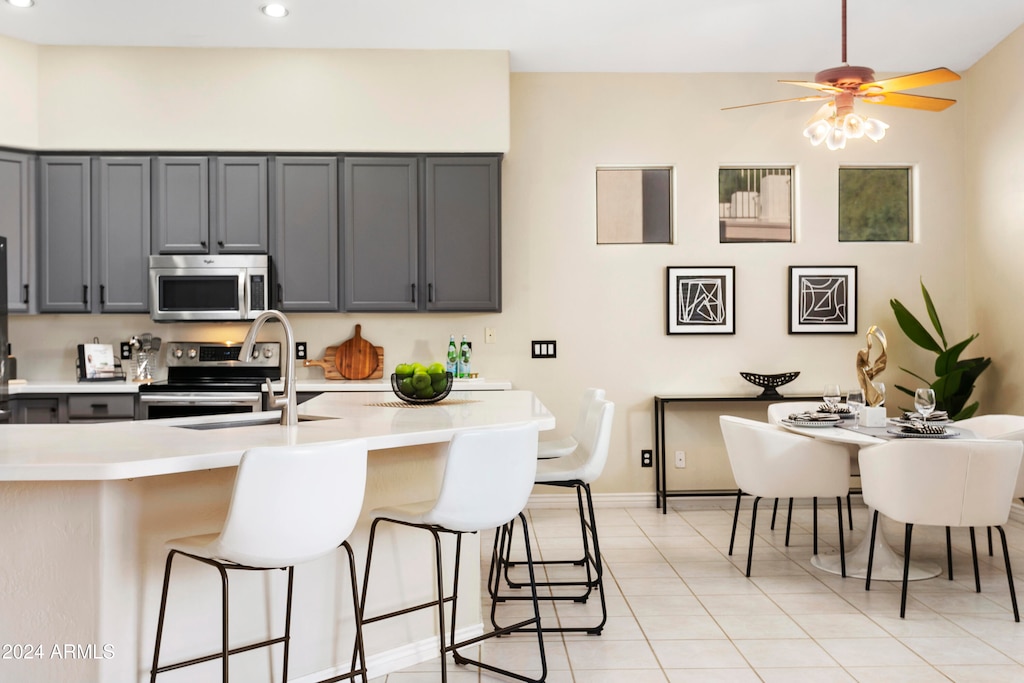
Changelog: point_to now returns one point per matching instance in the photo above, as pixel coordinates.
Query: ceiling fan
(835, 121)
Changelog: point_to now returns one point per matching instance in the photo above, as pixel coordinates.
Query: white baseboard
(389, 661)
(559, 501)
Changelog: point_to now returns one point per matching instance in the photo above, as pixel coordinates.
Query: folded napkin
(939, 415)
(919, 427)
(812, 417)
(837, 410)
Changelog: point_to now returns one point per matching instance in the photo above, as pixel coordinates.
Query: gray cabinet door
(463, 236)
(64, 235)
(181, 203)
(306, 255)
(16, 199)
(240, 200)
(381, 227)
(122, 233)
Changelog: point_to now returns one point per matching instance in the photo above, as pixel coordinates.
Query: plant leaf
(932, 313)
(948, 359)
(914, 374)
(966, 412)
(913, 328)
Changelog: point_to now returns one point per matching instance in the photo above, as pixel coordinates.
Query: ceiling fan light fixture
(853, 126)
(836, 139)
(875, 129)
(818, 131)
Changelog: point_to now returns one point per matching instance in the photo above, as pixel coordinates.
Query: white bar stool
(488, 477)
(558, 448)
(289, 505)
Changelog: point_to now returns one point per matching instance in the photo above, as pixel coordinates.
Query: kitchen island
(87, 509)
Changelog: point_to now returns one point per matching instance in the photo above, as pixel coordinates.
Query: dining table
(887, 564)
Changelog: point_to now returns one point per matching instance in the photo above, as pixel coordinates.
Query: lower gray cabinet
(100, 407)
(36, 410)
(305, 256)
(122, 234)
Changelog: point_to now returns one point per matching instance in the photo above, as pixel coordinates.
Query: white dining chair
(487, 480)
(950, 483)
(769, 462)
(558, 448)
(290, 504)
(780, 411)
(576, 471)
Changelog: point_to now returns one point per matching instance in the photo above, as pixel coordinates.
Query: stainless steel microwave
(208, 287)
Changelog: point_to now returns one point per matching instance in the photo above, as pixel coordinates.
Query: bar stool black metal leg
(974, 557)
(753, 526)
(775, 511)
(906, 570)
(871, 550)
(815, 505)
(160, 618)
(1009, 574)
(735, 518)
(789, 520)
(949, 554)
(842, 544)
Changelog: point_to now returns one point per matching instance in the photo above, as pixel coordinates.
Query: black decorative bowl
(769, 382)
(396, 386)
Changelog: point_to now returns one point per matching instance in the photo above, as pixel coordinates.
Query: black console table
(660, 470)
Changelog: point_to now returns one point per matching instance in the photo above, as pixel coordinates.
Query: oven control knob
(192, 353)
(267, 352)
(255, 352)
(177, 353)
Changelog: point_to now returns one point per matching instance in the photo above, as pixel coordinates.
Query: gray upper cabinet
(16, 201)
(381, 249)
(305, 256)
(64, 235)
(181, 205)
(241, 208)
(462, 262)
(122, 229)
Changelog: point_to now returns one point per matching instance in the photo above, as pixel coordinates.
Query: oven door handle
(214, 398)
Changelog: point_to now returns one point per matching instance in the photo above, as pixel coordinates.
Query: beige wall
(19, 98)
(995, 218)
(603, 304)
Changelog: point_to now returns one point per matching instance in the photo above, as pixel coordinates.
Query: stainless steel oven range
(207, 378)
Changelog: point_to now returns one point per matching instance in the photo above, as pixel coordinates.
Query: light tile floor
(680, 609)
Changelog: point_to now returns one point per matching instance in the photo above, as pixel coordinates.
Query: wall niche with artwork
(634, 205)
(755, 204)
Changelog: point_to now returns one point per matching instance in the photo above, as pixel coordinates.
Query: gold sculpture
(866, 370)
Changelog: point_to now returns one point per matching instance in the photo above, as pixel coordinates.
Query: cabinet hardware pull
(413, 300)
(280, 294)
(430, 292)
(85, 295)
(25, 300)
(103, 294)
(220, 243)
(202, 243)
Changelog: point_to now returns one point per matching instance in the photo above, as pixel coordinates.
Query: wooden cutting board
(330, 365)
(352, 362)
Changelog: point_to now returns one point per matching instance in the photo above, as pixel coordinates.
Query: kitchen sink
(246, 423)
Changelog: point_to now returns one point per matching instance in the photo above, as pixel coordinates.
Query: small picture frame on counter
(96, 364)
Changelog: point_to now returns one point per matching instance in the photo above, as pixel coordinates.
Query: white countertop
(128, 387)
(124, 450)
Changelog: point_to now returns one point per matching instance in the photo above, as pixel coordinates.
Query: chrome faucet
(286, 401)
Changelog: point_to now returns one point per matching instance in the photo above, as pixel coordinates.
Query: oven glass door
(163, 405)
(213, 294)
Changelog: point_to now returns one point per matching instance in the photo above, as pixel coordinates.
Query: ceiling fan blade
(899, 99)
(825, 111)
(911, 81)
(809, 98)
(824, 87)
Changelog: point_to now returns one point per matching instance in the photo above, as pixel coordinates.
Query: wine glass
(855, 399)
(831, 394)
(924, 401)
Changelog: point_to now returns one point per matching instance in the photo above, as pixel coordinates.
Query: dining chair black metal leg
(849, 510)
(842, 543)
(949, 555)
(990, 541)
(753, 525)
(1009, 574)
(735, 518)
(789, 520)
(871, 550)
(906, 570)
(815, 505)
(974, 556)
(775, 511)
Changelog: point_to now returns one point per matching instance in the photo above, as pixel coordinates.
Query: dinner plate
(901, 422)
(811, 423)
(900, 434)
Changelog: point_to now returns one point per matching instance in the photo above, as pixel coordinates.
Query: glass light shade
(817, 131)
(275, 10)
(853, 126)
(21, 3)
(875, 129)
(836, 139)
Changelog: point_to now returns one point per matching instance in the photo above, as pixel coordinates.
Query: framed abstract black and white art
(822, 299)
(701, 300)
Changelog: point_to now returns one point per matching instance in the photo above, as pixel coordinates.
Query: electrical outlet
(646, 458)
(300, 351)
(490, 336)
(680, 459)
(126, 351)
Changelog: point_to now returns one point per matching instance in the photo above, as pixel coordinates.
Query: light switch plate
(544, 349)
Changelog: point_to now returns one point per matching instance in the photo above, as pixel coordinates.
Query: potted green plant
(954, 377)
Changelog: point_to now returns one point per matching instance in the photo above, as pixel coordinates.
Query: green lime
(406, 387)
(439, 384)
(403, 369)
(425, 392)
(421, 380)
(435, 369)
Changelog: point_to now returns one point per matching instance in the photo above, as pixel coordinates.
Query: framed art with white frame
(822, 299)
(701, 300)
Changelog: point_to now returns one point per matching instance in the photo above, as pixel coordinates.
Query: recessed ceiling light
(21, 3)
(274, 10)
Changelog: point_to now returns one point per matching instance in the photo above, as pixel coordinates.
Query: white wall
(603, 304)
(19, 78)
(995, 217)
